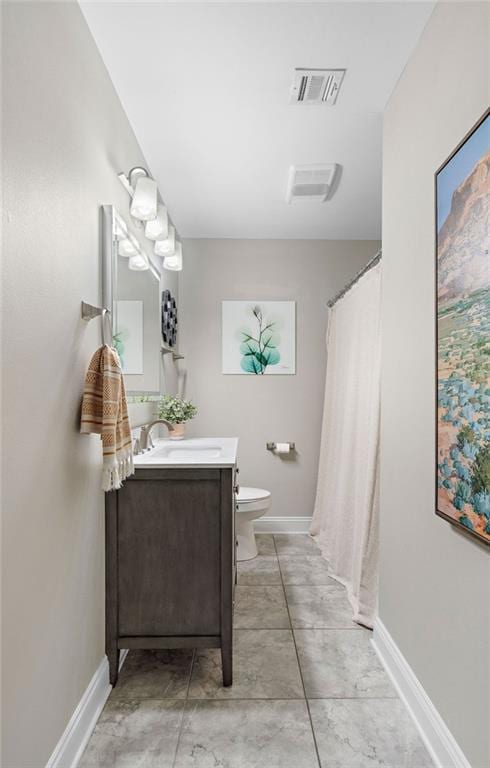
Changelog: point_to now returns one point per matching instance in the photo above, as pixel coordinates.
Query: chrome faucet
(145, 440)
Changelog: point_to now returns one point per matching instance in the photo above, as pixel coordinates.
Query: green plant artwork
(118, 344)
(259, 346)
(127, 336)
(259, 337)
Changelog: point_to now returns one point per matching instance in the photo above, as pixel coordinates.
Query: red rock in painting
(463, 241)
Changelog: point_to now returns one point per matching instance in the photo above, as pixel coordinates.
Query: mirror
(142, 324)
(132, 291)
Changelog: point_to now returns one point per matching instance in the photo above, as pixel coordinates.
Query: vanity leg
(113, 656)
(227, 663)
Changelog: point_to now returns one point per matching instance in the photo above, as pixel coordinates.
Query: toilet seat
(250, 499)
(252, 494)
(251, 503)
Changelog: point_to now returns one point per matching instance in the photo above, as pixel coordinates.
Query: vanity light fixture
(174, 261)
(143, 190)
(126, 248)
(144, 202)
(158, 227)
(149, 212)
(120, 231)
(166, 247)
(138, 263)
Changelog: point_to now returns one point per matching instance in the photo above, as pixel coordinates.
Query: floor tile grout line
(299, 666)
(263, 629)
(194, 652)
(184, 700)
(260, 698)
(329, 629)
(303, 629)
(283, 588)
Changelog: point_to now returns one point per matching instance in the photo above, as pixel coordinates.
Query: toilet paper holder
(273, 446)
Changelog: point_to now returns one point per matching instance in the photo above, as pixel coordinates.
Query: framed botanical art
(462, 187)
(259, 337)
(128, 336)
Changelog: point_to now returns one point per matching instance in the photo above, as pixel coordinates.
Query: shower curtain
(345, 518)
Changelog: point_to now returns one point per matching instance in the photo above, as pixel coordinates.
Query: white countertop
(197, 452)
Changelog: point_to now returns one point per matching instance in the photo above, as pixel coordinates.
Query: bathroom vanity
(171, 553)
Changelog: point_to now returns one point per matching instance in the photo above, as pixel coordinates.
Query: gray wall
(434, 586)
(65, 138)
(259, 409)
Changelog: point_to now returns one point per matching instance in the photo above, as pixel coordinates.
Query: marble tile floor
(308, 690)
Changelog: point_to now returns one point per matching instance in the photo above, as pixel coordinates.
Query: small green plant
(480, 476)
(465, 435)
(175, 410)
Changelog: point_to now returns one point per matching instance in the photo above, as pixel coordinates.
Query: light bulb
(158, 227)
(144, 203)
(174, 261)
(127, 248)
(138, 262)
(166, 247)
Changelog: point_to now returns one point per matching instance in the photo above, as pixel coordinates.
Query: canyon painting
(463, 334)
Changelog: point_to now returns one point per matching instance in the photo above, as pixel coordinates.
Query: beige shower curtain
(345, 519)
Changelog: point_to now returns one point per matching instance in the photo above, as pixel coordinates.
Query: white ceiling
(206, 89)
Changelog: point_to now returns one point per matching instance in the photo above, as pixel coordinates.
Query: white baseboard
(437, 737)
(282, 525)
(70, 747)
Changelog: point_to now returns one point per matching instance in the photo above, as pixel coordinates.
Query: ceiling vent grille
(316, 86)
(311, 182)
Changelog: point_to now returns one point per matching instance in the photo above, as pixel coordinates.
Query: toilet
(251, 503)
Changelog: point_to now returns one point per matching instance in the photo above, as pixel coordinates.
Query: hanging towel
(105, 413)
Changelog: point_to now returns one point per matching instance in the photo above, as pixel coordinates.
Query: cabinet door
(169, 556)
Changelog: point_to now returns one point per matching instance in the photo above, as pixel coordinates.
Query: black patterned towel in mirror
(169, 319)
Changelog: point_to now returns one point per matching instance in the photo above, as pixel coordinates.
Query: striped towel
(105, 413)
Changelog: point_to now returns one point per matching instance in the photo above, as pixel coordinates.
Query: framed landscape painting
(463, 334)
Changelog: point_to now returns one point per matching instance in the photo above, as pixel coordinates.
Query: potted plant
(176, 411)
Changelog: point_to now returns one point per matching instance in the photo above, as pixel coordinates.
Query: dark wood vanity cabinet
(171, 562)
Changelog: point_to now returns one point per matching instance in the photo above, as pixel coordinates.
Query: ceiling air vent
(316, 86)
(311, 182)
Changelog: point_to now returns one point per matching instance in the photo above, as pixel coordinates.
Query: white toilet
(252, 503)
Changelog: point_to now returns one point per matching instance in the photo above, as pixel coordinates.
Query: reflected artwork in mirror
(131, 288)
(169, 319)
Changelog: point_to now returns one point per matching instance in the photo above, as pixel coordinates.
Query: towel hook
(106, 316)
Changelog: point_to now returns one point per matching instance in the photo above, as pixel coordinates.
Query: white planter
(178, 432)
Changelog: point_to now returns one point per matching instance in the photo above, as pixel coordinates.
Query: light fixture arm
(137, 171)
(130, 180)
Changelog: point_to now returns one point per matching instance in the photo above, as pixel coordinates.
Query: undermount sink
(190, 452)
(182, 451)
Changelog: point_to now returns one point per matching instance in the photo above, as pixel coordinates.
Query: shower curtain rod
(371, 263)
